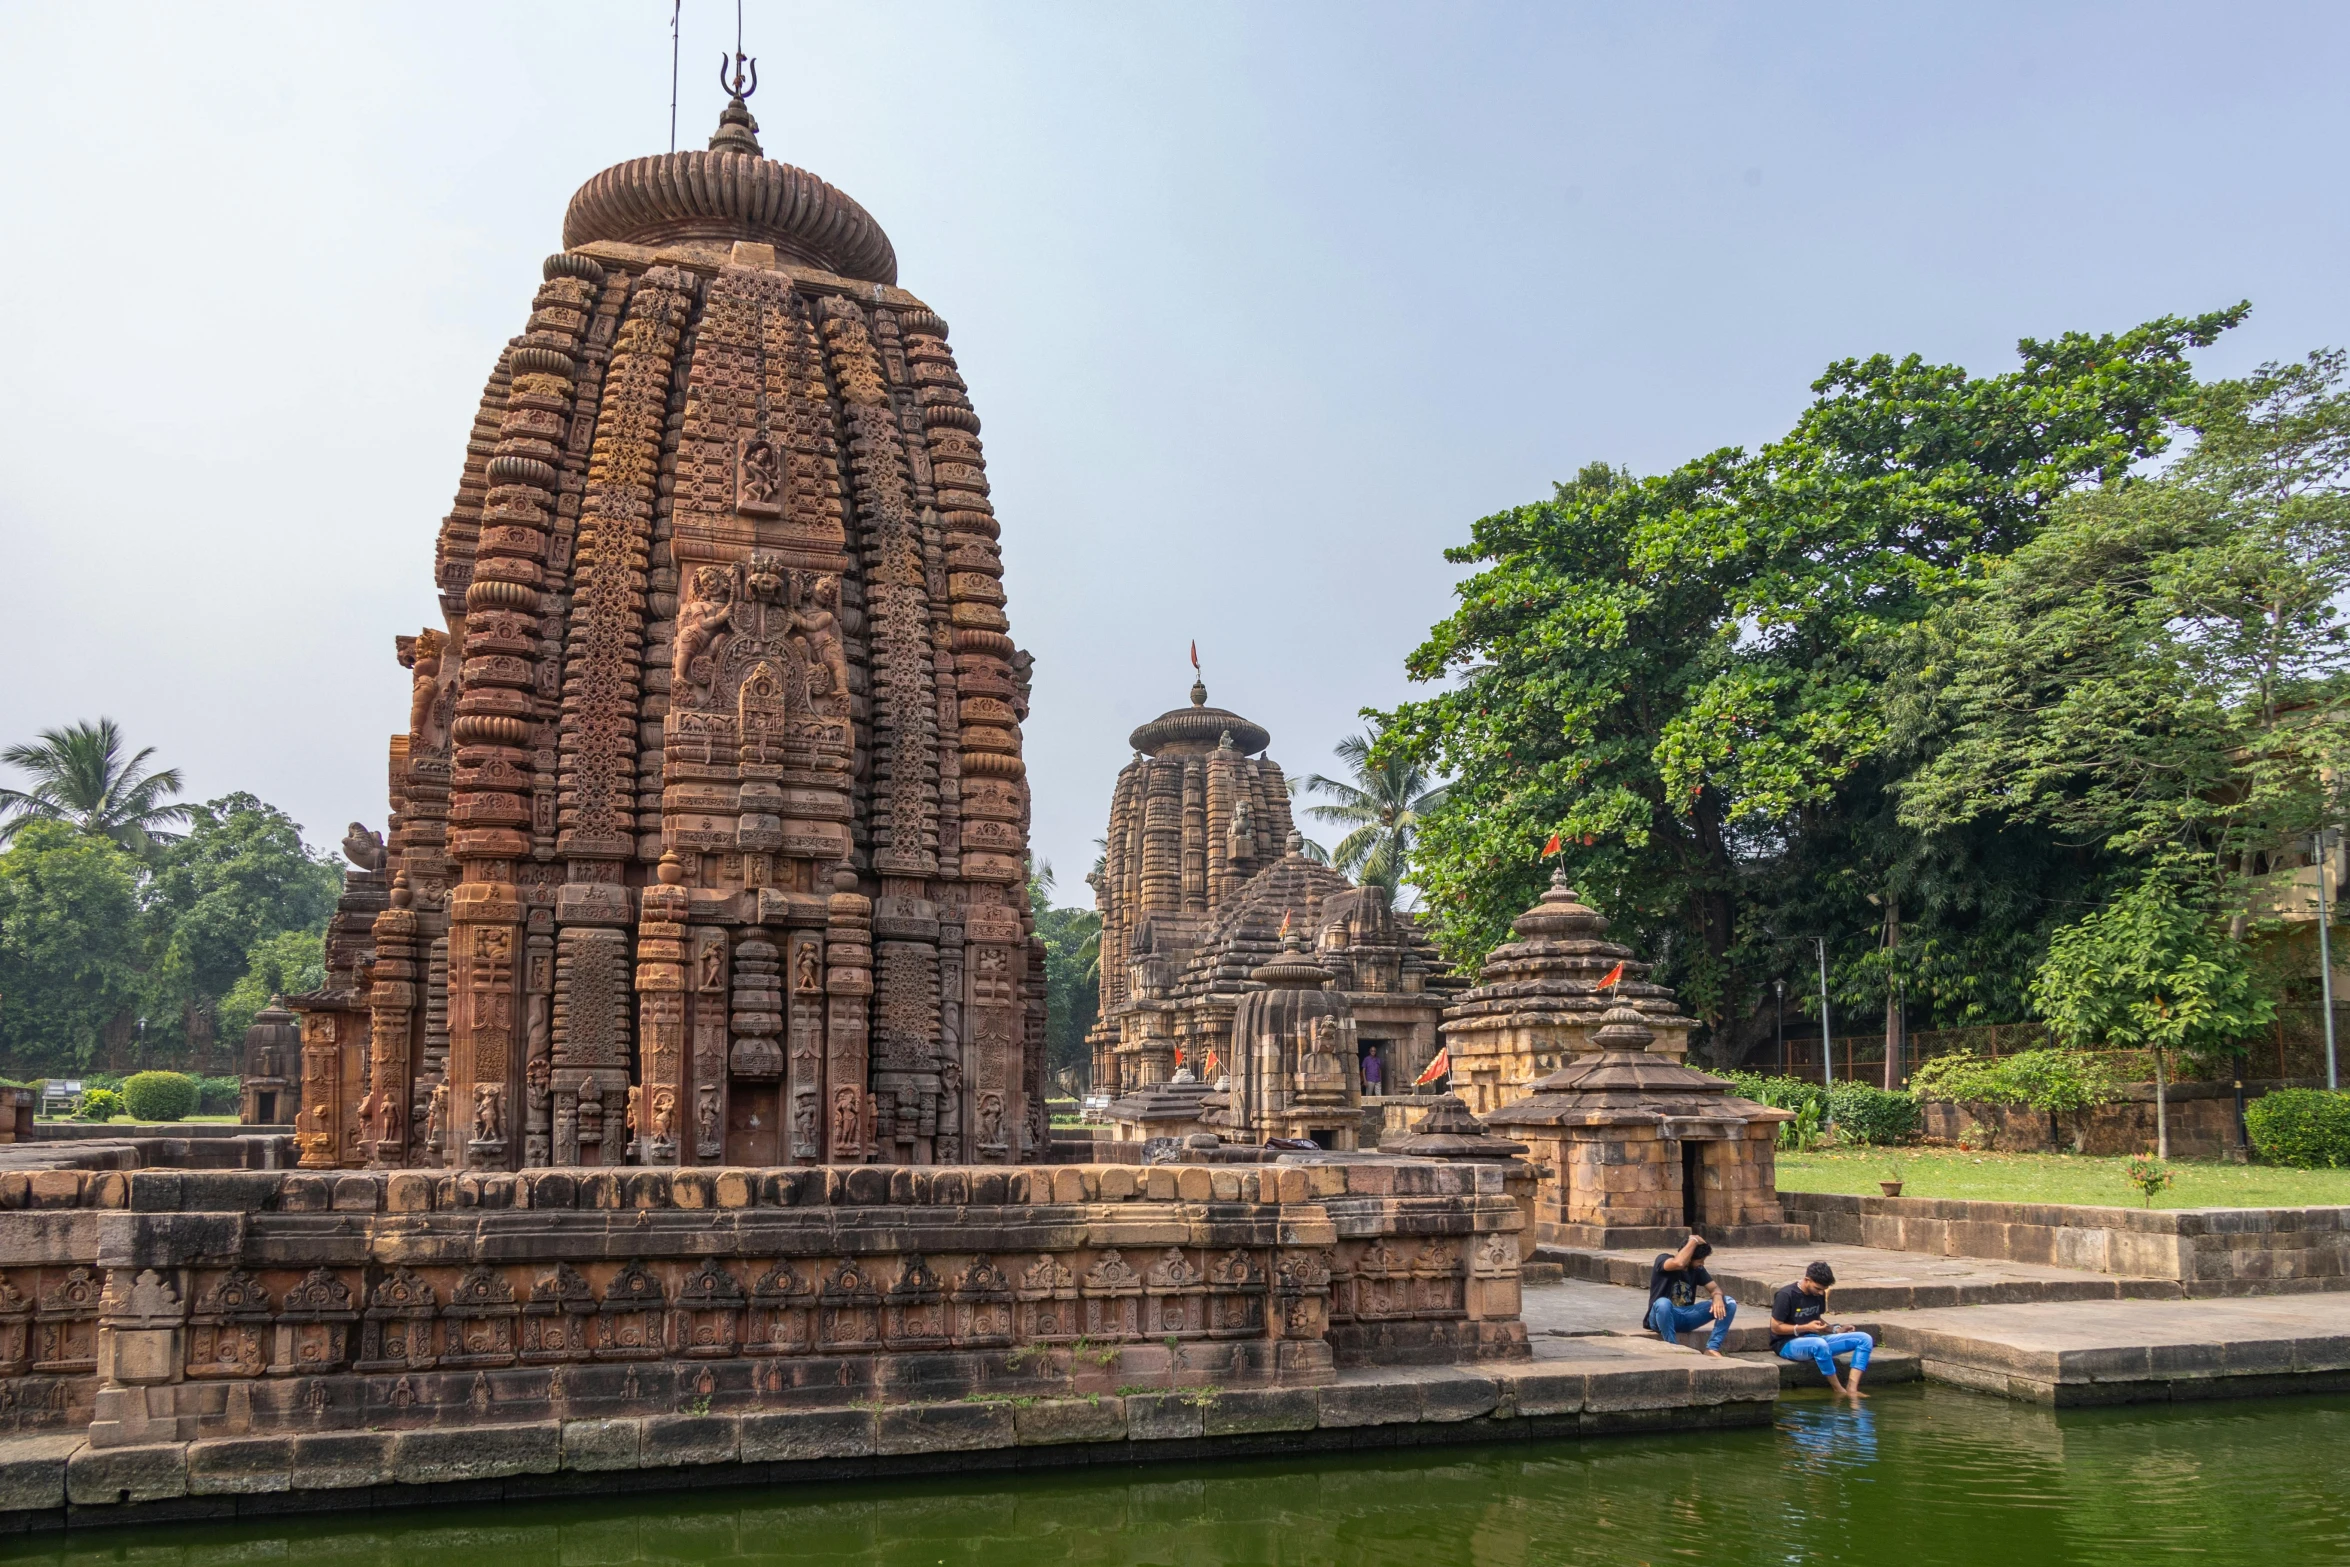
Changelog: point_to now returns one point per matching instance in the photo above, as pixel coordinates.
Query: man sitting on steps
(1799, 1334)
(1673, 1282)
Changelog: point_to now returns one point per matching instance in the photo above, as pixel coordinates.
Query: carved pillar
(318, 1127)
(701, 1135)
(752, 1129)
(804, 1084)
(995, 965)
(1195, 835)
(392, 996)
(848, 986)
(538, 1000)
(659, 1101)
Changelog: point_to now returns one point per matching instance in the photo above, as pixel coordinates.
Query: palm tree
(80, 776)
(1383, 806)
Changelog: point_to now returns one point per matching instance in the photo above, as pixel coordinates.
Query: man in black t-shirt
(1675, 1280)
(1799, 1332)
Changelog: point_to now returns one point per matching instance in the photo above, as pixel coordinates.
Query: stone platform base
(1572, 1388)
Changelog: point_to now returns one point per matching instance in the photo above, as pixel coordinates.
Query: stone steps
(1872, 1281)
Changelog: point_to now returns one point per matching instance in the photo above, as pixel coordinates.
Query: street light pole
(1827, 1042)
(2325, 957)
(1780, 986)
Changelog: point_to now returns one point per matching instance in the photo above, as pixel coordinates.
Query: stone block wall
(2209, 1251)
(175, 1305)
(1623, 1184)
(2202, 1123)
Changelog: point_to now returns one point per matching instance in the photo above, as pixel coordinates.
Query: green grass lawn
(2055, 1177)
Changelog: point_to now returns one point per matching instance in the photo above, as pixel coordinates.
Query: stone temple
(708, 819)
(1208, 906)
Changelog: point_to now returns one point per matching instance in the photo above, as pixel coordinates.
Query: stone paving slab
(1868, 1279)
(1571, 1387)
(2134, 1351)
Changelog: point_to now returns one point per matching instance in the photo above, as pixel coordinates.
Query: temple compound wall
(164, 1306)
(708, 818)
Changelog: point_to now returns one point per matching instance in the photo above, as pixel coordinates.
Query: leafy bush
(219, 1095)
(2053, 1081)
(98, 1104)
(2305, 1127)
(1874, 1115)
(159, 1096)
(1961, 1076)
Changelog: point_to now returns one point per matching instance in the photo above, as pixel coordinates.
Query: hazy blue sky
(1261, 305)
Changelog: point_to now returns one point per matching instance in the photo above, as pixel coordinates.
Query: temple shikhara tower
(708, 819)
(1229, 955)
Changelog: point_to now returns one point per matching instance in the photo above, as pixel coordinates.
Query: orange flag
(1215, 1065)
(1195, 652)
(1613, 975)
(1436, 1068)
(1551, 847)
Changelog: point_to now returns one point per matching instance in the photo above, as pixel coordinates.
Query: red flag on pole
(1436, 1068)
(1195, 652)
(1613, 975)
(1215, 1063)
(1551, 847)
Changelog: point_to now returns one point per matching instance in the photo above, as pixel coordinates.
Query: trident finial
(737, 131)
(738, 88)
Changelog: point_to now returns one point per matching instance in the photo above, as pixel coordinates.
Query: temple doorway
(1378, 1066)
(1692, 1183)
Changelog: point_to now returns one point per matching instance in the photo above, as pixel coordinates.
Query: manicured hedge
(2305, 1127)
(1862, 1114)
(159, 1096)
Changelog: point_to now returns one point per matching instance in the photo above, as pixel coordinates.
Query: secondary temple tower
(709, 821)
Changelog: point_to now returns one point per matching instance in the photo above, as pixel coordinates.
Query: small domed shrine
(1637, 1147)
(709, 821)
(1538, 998)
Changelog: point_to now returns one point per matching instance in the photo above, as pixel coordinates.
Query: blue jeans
(1671, 1321)
(1821, 1349)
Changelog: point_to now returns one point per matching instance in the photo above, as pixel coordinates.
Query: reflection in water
(1914, 1478)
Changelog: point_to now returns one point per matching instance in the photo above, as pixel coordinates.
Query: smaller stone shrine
(1641, 1149)
(1539, 997)
(1294, 1071)
(272, 1067)
(1176, 1108)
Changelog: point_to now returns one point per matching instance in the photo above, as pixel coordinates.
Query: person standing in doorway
(1372, 1072)
(1675, 1280)
(1800, 1331)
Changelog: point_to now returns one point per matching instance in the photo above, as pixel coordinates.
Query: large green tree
(1686, 676)
(2159, 674)
(238, 877)
(1072, 973)
(70, 948)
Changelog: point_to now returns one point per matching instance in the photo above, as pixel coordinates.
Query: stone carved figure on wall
(664, 1116)
(591, 1116)
(489, 1113)
(810, 977)
(758, 487)
(427, 728)
(816, 622)
(636, 1111)
(714, 967)
(991, 1120)
(699, 621)
(706, 1120)
(436, 1119)
(845, 1121)
(803, 1123)
(364, 847)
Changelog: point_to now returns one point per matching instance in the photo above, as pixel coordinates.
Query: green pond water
(1916, 1477)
